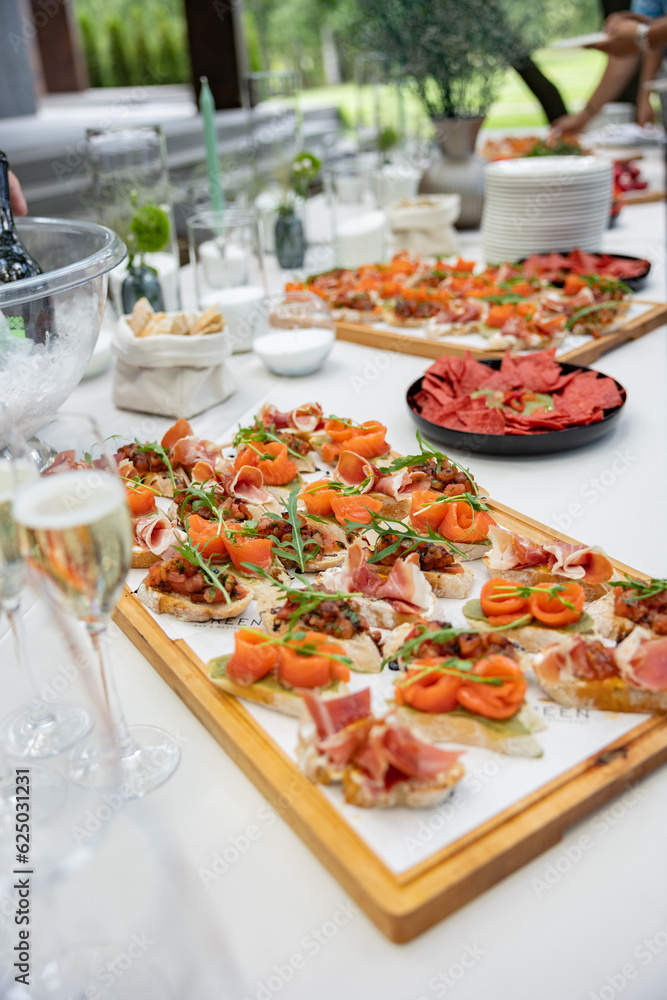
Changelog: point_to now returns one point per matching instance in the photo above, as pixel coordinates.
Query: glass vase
(129, 172)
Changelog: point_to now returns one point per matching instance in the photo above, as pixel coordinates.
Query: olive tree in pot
(453, 54)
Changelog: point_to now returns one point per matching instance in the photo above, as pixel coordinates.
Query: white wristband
(641, 38)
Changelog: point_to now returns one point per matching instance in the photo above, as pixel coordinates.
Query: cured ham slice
(642, 660)
(382, 750)
(402, 483)
(248, 484)
(65, 461)
(306, 418)
(577, 561)
(155, 532)
(188, 451)
(407, 585)
(406, 588)
(333, 714)
(510, 551)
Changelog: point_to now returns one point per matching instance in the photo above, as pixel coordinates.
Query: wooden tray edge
(427, 347)
(404, 905)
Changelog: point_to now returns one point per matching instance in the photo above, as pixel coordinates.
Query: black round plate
(538, 443)
(634, 284)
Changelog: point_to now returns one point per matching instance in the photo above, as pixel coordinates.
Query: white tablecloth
(588, 918)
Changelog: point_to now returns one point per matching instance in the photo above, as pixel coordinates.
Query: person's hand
(16, 197)
(613, 20)
(571, 123)
(622, 33)
(645, 113)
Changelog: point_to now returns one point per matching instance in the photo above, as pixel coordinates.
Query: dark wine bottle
(34, 319)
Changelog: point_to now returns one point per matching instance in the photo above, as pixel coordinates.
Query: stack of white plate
(540, 204)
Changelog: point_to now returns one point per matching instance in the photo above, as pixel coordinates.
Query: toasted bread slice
(411, 793)
(510, 736)
(166, 603)
(607, 623)
(361, 649)
(143, 558)
(534, 575)
(268, 691)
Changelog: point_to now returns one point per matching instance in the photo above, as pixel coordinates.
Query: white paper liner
(403, 837)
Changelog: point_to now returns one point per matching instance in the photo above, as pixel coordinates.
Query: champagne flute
(75, 534)
(36, 730)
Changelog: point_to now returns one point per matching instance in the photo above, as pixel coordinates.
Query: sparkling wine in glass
(75, 534)
(35, 730)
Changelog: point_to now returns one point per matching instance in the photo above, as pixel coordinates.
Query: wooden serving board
(641, 197)
(425, 347)
(406, 904)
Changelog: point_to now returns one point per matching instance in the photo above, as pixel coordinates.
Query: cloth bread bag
(425, 224)
(171, 375)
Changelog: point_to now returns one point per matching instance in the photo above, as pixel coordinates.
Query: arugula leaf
(245, 436)
(643, 589)
(194, 556)
(428, 451)
(586, 311)
(501, 300)
(390, 526)
(455, 668)
(155, 446)
(306, 599)
(201, 499)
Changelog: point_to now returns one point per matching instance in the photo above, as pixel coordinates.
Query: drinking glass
(34, 730)
(128, 166)
(226, 253)
(75, 534)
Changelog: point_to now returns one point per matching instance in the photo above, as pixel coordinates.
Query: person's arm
(625, 38)
(16, 197)
(650, 66)
(618, 72)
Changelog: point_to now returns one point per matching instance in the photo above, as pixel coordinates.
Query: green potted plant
(453, 55)
(289, 236)
(149, 233)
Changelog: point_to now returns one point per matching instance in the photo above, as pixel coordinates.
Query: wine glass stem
(40, 715)
(122, 739)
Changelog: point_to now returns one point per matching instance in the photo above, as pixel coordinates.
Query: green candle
(207, 108)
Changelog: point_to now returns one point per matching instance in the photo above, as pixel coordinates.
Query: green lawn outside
(574, 72)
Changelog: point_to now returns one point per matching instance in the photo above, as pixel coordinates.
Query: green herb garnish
(156, 447)
(194, 556)
(644, 589)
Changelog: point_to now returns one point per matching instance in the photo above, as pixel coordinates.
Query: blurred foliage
(128, 42)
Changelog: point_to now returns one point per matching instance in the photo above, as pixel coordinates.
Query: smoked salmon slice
(277, 470)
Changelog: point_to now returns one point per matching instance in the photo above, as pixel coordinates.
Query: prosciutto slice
(189, 450)
(402, 483)
(334, 714)
(155, 532)
(347, 733)
(65, 461)
(306, 418)
(642, 660)
(510, 551)
(569, 560)
(406, 588)
(248, 484)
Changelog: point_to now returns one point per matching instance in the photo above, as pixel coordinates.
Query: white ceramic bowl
(294, 352)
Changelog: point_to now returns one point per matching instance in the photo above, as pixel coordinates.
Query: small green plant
(149, 231)
(305, 168)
